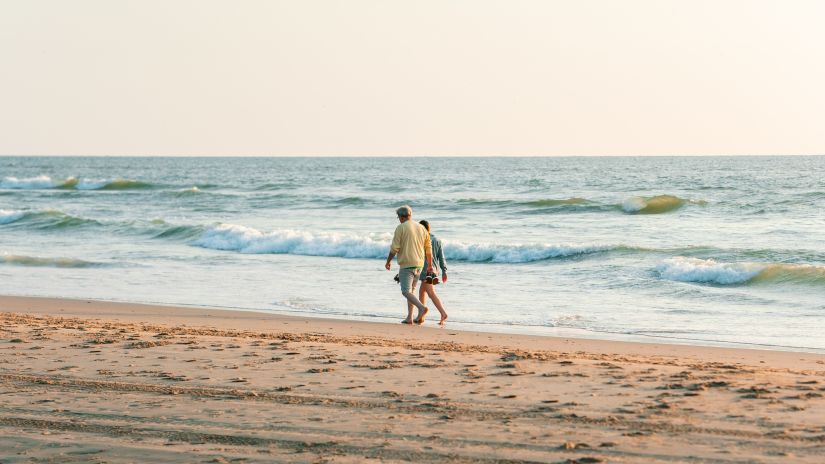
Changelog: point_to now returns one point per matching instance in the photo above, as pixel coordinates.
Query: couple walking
(415, 248)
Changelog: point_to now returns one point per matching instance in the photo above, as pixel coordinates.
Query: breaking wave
(182, 232)
(656, 205)
(697, 270)
(194, 190)
(39, 182)
(230, 237)
(71, 183)
(22, 260)
(9, 216)
(45, 219)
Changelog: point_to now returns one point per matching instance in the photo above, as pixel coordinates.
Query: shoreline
(120, 382)
(245, 319)
(463, 327)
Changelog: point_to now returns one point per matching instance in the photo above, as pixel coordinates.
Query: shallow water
(700, 250)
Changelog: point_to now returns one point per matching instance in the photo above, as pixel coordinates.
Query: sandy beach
(87, 381)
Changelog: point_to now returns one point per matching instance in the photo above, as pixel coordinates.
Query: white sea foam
(248, 240)
(29, 183)
(232, 237)
(685, 269)
(634, 204)
(8, 216)
(191, 191)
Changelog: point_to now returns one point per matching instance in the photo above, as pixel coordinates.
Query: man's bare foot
(421, 316)
(406, 321)
(443, 319)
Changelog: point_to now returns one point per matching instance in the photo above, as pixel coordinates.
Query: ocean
(700, 250)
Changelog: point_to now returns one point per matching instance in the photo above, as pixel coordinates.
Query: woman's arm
(442, 263)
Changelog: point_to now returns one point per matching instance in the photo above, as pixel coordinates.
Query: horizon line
(698, 155)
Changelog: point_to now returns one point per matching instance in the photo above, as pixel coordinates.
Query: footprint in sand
(319, 371)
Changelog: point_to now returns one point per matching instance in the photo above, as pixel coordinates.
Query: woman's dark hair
(425, 224)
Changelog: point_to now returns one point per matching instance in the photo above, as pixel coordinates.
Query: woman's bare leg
(422, 293)
(437, 301)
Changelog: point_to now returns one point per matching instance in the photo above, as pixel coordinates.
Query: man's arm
(395, 246)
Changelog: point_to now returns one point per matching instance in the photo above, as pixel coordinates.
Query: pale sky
(419, 77)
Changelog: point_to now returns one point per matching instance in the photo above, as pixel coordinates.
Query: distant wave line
(71, 183)
(23, 260)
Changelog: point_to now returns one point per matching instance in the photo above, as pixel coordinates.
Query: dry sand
(85, 381)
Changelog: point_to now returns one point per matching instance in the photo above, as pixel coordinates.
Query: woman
(429, 288)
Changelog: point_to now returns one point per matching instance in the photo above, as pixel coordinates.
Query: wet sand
(86, 381)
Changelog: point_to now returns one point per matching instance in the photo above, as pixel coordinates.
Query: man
(411, 242)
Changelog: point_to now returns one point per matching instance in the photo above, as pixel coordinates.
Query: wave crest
(125, 184)
(684, 269)
(44, 220)
(697, 270)
(8, 216)
(104, 184)
(656, 205)
(194, 190)
(185, 232)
